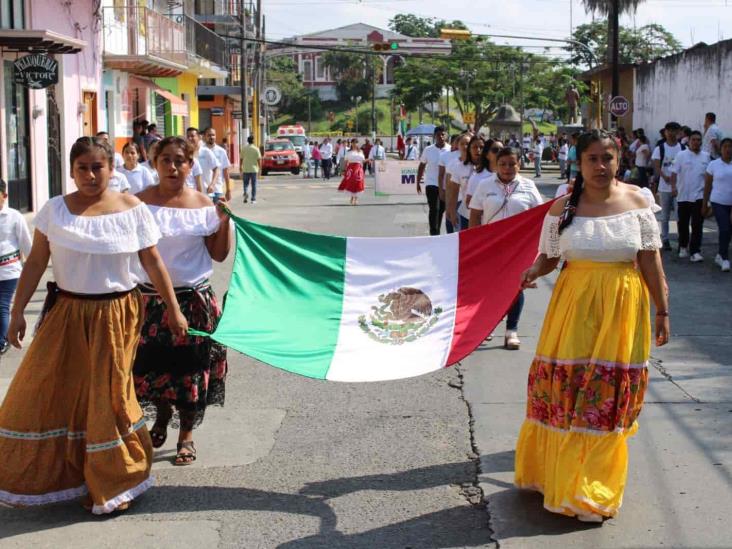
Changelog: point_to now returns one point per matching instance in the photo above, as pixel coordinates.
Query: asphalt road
(425, 462)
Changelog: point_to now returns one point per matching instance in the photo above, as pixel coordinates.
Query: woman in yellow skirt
(70, 425)
(587, 381)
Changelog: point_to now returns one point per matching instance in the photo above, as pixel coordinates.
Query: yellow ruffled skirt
(585, 390)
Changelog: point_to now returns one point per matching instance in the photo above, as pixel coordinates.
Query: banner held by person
(395, 177)
(372, 309)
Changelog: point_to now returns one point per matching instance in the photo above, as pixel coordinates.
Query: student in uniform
(138, 177)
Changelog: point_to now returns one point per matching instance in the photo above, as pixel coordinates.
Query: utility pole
(243, 76)
(309, 118)
(373, 99)
(615, 15)
(258, 76)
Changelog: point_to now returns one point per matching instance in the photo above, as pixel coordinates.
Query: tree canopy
(352, 73)
(421, 27)
(295, 97)
(637, 45)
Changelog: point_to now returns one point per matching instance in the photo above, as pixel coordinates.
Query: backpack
(662, 148)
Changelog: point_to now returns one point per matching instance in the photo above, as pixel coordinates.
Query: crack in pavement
(472, 491)
(657, 363)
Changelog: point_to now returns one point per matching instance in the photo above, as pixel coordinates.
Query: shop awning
(28, 40)
(178, 107)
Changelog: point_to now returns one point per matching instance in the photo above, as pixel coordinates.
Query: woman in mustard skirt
(587, 381)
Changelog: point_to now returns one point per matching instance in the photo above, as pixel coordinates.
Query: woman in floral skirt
(589, 375)
(186, 373)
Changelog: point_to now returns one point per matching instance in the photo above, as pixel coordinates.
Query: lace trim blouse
(608, 238)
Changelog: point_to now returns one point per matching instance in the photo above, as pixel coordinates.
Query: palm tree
(612, 9)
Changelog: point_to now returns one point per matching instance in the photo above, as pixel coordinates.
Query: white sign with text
(396, 177)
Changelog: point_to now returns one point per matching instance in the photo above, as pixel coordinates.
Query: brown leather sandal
(187, 457)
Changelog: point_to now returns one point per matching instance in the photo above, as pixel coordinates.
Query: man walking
(251, 164)
(687, 184)
(663, 158)
(326, 155)
(377, 152)
(428, 171)
(222, 185)
(410, 151)
(712, 136)
(446, 158)
(209, 166)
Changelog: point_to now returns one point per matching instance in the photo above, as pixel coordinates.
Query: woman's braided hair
(583, 142)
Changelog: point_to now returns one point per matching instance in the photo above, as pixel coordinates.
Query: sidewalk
(679, 490)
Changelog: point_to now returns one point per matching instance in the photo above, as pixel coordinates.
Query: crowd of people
(331, 157)
(131, 264)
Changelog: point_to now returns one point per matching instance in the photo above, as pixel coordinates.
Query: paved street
(294, 462)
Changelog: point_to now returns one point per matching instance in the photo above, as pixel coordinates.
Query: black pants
(326, 164)
(690, 211)
(437, 209)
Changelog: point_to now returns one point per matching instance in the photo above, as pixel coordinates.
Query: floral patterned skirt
(188, 373)
(585, 390)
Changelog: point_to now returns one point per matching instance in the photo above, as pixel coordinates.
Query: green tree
(282, 72)
(353, 73)
(637, 45)
(421, 27)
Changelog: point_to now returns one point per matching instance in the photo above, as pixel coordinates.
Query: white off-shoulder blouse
(608, 238)
(182, 246)
(96, 254)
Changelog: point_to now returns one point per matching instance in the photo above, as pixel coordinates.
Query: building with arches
(310, 61)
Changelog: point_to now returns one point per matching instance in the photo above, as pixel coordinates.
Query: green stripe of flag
(287, 282)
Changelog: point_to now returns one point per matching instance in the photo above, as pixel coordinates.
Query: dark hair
(469, 159)
(152, 127)
(485, 163)
(507, 151)
(686, 130)
(85, 145)
(672, 126)
(100, 134)
(695, 132)
(725, 140)
(711, 116)
(438, 129)
(643, 138)
(250, 139)
(131, 145)
(177, 142)
(192, 129)
(3, 187)
(584, 141)
(206, 130)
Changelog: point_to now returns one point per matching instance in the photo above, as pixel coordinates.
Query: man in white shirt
(377, 152)
(222, 184)
(326, 155)
(663, 160)
(206, 160)
(712, 136)
(687, 183)
(410, 149)
(428, 172)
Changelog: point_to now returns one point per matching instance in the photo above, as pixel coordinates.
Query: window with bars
(12, 15)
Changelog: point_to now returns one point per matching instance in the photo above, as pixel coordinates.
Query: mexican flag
(372, 309)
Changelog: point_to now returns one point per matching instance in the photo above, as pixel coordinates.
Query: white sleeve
(650, 234)
(196, 170)
(656, 153)
(561, 190)
(650, 199)
(423, 156)
(476, 203)
(225, 163)
(147, 179)
(23, 235)
(43, 217)
(710, 167)
(549, 239)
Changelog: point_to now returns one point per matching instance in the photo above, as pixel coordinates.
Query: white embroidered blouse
(96, 254)
(182, 246)
(608, 238)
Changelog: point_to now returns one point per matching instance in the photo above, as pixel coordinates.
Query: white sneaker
(696, 258)
(718, 260)
(512, 341)
(253, 201)
(683, 253)
(725, 265)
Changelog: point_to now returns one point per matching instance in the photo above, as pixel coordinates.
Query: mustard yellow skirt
(70, 424)
(585, 390)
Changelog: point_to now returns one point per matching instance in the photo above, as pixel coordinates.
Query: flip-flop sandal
(188, 457)
(158, 436)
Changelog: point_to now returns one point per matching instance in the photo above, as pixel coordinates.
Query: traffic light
(385, 46)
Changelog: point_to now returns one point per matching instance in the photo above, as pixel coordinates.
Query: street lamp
(356, 100)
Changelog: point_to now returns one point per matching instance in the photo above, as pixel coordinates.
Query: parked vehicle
(280, 156)
(296, 134)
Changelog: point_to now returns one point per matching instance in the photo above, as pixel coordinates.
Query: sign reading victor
(36, 71)
(619, 106)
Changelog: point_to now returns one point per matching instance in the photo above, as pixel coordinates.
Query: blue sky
(691, 21)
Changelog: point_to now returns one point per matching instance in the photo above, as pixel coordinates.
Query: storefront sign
(36, 71)
(396, 177)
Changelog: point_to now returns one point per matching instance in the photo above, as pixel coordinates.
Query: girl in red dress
(353, 178)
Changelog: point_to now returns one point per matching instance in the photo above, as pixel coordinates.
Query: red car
(280, 156)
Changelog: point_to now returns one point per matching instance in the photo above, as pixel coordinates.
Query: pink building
(39, 126)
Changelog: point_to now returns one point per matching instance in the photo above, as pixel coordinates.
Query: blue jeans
(7, 289)
(514, 313)
(721, 214)
(537, 165)
(250, 178)
(668, 204)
